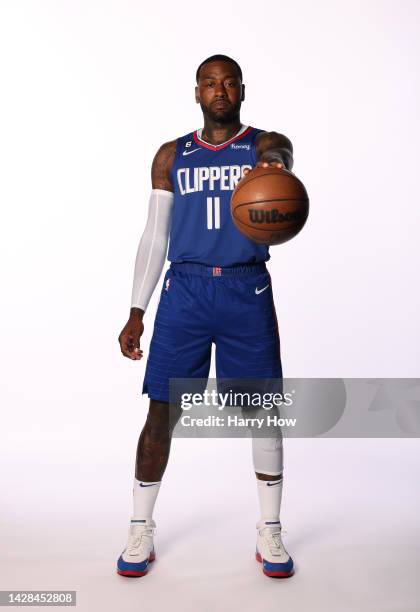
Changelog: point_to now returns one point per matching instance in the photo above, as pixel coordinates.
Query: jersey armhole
(180, 142)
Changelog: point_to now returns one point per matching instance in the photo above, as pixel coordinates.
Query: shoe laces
(137, 533)
(273, 538)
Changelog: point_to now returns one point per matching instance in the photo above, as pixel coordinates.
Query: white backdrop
(89, 91)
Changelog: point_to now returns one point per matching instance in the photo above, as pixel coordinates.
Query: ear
(243, 93)
(197, 95)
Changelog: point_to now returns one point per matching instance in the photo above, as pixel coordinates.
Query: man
(215, 290)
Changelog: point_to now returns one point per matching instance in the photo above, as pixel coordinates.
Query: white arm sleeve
(152, 248)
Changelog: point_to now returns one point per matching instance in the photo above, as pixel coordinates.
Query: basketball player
(217, 289)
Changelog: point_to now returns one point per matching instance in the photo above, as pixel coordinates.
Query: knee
(267, 446)
(157, 426)
(268, 455)
(155, 432)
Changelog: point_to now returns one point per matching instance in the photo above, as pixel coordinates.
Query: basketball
(270, 205)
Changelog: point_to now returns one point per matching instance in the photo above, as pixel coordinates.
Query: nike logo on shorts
(257, 291)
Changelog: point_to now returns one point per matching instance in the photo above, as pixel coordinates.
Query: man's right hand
(129, 338)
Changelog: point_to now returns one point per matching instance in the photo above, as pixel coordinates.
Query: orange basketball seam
(267, 173)
(272, 200)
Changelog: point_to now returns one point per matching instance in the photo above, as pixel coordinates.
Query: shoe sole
(273, 574)
(132, 574)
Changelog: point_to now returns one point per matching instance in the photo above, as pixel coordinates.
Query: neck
(216, 133)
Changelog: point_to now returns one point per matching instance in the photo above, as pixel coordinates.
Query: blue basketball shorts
(200, 305)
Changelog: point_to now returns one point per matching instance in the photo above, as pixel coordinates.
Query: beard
(225, 116)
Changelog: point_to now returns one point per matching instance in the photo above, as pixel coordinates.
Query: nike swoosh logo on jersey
(257, 291)
(189, 152)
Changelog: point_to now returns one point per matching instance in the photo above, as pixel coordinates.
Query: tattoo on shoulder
(162, 165)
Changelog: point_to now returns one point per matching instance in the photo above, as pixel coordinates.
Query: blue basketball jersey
(204, 177)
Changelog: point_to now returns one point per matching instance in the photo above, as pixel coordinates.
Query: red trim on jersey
(219, 147)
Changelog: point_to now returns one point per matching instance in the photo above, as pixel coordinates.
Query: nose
(220, 91)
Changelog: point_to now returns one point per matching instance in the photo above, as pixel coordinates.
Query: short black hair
(219, 58)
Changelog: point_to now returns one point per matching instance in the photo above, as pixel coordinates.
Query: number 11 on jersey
(213, 213)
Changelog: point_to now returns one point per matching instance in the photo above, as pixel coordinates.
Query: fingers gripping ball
(270, 205)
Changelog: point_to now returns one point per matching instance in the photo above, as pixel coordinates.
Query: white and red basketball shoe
(276, 561)
(139, 552)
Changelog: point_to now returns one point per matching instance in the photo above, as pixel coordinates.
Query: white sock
(144, 498)
(269, 495)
